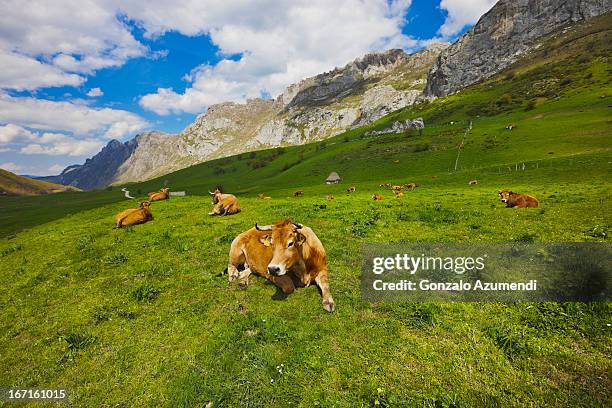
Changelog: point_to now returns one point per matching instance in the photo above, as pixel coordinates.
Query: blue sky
(71, 85)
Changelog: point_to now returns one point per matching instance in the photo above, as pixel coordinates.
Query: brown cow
(163, 194)
(473, 182)
(224, 204)
(134, 216)
(386, 185)
(397, 188)
(516, 200)
(398, 194)
(288, 254)
(330, 197)
(298, 193)
(263, 197)
(351, 189)
(410, 186)
(377, 197)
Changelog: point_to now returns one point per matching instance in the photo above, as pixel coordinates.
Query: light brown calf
(224, 204)
(377, 197)
(516, 200)
(134, 216)
(163, 194)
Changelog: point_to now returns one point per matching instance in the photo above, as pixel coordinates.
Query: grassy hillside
(12, 184)
(143, 316)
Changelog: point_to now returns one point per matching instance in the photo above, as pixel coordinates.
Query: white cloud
(20, 72)
(10, 133)
(12, 167)
(46, 44)
(278, 42)
(54, 144)
(462, 13)
(68, 117)
(94, 92)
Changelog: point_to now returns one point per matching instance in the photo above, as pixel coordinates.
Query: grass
(144, 317)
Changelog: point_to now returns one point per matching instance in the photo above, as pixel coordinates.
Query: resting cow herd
(286, 253)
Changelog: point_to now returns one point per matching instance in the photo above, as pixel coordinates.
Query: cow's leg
(323, 284)
(243, 278)
(215, 210)
(236, 258)
(232, 272)
(119, 222)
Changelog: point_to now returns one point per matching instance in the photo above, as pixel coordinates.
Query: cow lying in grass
(224, 204)
(351, 189)
(516, 200)
(134, 216)
(163, 194)
(288, 254)
(377, 197)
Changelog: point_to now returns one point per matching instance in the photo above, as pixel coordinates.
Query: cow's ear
(300, 238)
(266, 240)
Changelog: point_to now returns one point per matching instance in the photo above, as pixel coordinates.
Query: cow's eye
(289, 244)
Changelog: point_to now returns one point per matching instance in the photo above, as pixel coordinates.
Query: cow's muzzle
(276, 270)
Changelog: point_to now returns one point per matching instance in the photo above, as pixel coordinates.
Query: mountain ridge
(312, 109)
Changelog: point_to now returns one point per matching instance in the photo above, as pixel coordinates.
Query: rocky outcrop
(509, 29)
(399, 127)
(382, 100)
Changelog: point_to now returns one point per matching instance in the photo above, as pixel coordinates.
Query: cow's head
(165, 190)
(286, 240)
(145, 204)
(215, 195)
(504, 195)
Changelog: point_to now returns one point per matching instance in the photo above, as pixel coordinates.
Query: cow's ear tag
(267, 242)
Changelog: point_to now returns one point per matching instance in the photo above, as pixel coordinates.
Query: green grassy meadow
(143, 316)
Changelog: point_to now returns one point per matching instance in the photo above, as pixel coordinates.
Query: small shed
(333, 178)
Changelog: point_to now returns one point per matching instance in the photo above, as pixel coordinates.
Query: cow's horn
(264, 228)
(297, 225)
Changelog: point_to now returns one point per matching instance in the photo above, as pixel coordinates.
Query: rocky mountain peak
(509, 29)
